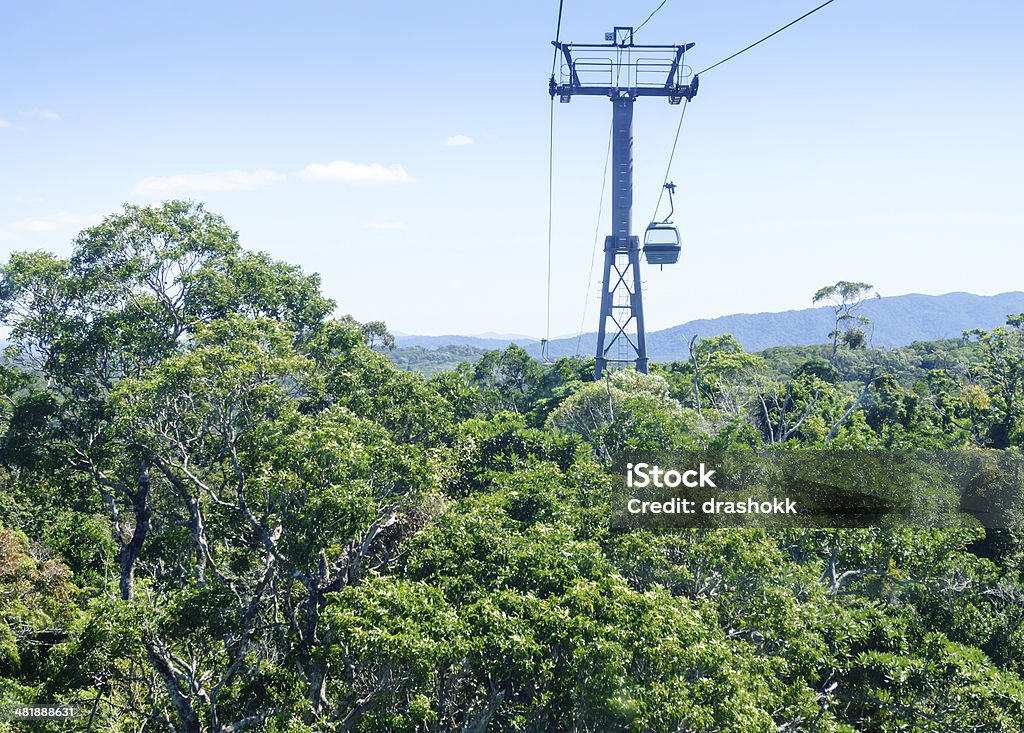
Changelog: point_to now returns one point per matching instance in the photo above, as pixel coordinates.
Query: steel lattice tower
(623, 72)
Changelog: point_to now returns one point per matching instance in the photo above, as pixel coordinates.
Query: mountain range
(895, 321)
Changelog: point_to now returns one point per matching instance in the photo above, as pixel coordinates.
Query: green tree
(845, 298)
(1000, 371)
(135, 289)
(324, 542)
(627, 411)
(37, 601)
(506, 379)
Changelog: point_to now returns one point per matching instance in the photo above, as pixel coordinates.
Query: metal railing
(627, 73)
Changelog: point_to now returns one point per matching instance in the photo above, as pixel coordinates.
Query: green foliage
(845, 298)
(1001, 374)
(37, 602)
(433, 361)
(220, 510)
(627, 411)
(717, 375)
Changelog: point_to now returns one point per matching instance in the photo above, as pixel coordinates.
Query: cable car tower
(624, 71)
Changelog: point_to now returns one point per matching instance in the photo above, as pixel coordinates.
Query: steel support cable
(597, 235)
(653, 12)
(558, 35)
(774, 33)
(551, 199)
(551, 180)
(668, 168)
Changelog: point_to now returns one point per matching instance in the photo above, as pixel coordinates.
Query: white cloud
(4, 123)
(346, 172)
(338, 170)
(213, 181)
(384, 225)
(457, 140)
(28, 199)
(43, 114)
(28, 227)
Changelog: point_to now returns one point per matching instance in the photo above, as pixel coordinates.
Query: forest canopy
(223, 509)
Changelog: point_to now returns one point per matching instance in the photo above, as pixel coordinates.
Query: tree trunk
(162, 662)
(696, 375)
(130, 550)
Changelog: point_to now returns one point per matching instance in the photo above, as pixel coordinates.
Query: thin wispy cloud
(43, 114)
(344, 171)
(384, 225)
(4, 123)
(212, 181)
(28, 199)
(340, 171)
(458, 140)
(30, 227)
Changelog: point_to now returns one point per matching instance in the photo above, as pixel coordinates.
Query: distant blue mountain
(403, 340)
(895, 321)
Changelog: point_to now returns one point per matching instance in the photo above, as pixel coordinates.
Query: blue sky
(873, 141)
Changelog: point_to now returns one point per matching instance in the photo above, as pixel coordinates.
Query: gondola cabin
(661, 244)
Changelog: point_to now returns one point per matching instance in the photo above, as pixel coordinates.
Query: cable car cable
(551, 180)
(775, 33)
(558, 33)
(597, 236)
(682, 112)
(668, 168)
(551, 198)
(650, 16)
